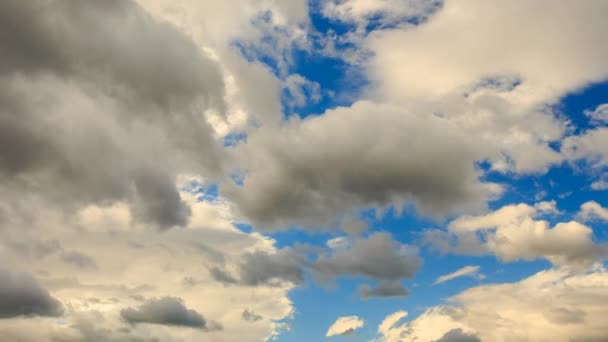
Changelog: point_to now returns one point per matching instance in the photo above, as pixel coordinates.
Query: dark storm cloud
(21, 295)
(100, 102)
(164, 311)
(385, 289)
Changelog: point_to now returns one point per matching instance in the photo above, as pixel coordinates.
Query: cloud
(164, 311)
(467, 271)
(599, 185)
(523, 310)
(251, 316)
(513, 232)
(345, 326)
(356, 257)
(97, 67)
(21, 295)
(599, 115)
(264, 268)
(587, 147)
(376, 257)
(79, 260)
(385, 289)
(288, 183)
(383, 13)
(129, 258)
(457, 335)
(411, 63)
(592, 210)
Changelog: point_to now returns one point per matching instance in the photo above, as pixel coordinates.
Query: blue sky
(303, 170)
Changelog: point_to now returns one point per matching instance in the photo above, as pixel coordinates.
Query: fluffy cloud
(513, 232)
(128, 259)
(359, 256)
(588, 147)
(21, 295)
(418, 158)
(526, 310)
(467, 271)
(413, 63)
(167, 311)
(477, 105)
(345, 326)
(377, 257)
(264, 268)
(88, 99)
(592, 210)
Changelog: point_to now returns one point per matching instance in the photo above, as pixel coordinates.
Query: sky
(303, 170)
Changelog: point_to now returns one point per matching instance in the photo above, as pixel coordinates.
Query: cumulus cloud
(345, 326)
(86, 79)
(523, 310)
(264, 268)
(22, 295)
(376, 257)
(514, 232)
(592, 210)
(587, 147)
(412, 63)
(287, 182)
(129, 259)
(164, 311)
(467, 271)
(357, 257)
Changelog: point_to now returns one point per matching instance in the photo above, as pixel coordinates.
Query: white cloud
(345, 326)
(592, 210)
(589, 146)
(599, 185)
(492, 38)
(467, 271)
(514, 232)
(552, 305)
(599, 115)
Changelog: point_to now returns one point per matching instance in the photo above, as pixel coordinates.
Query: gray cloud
(251, 316)
(164, 311)
(261, 268)
(457, 335)
(385, 289)
(79, 260)
(33, 248)
(376, 257)
(311, 172)
(21, 295)
(99, 103)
